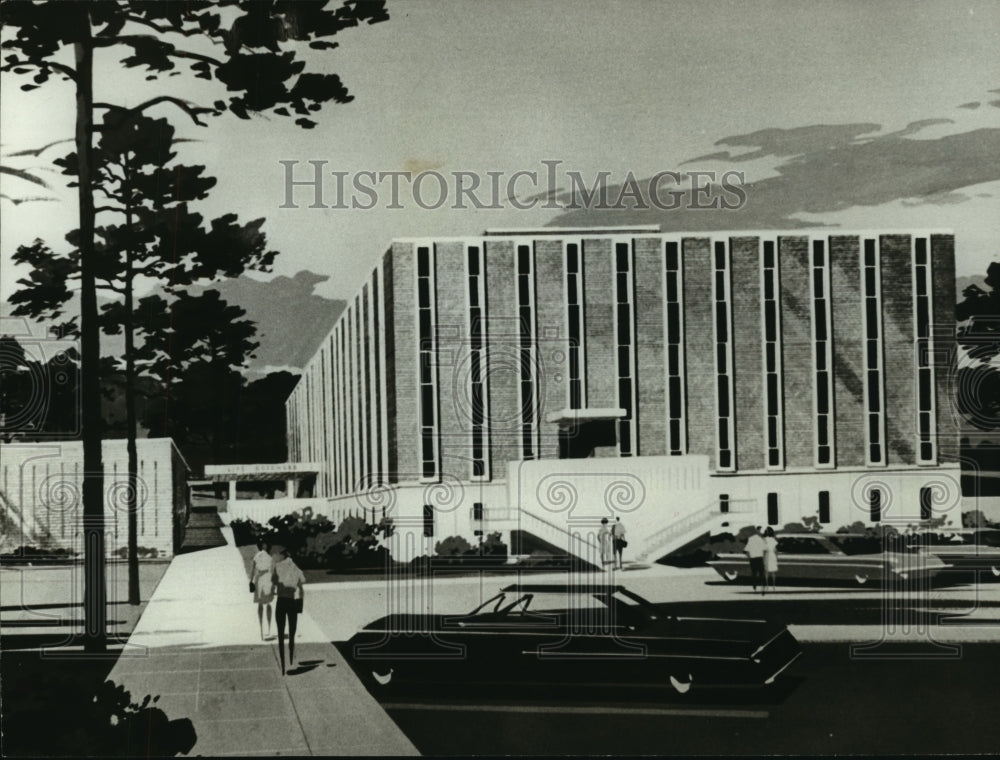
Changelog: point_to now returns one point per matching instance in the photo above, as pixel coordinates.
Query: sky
(847, 113)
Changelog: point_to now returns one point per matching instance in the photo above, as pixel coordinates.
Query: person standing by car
(618, 533)
(770, 558)
(261, 586)
(288, 582)
(755, 549)
(604, 542)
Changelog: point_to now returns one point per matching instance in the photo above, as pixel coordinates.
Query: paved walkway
(197, 646)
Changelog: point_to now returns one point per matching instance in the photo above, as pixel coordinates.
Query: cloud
(825, 168)
(971, 106)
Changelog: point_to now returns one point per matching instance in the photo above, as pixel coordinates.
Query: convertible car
(833, 559)
(569, 635)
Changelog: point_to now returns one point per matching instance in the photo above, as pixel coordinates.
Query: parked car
(569, 634)
(836, 558)
(976, 549)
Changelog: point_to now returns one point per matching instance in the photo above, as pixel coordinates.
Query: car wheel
(861, 579)
(682, 687)
(730, 575)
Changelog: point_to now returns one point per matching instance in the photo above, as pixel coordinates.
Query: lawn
(47, 683)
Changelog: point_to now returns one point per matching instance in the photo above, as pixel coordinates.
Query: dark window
(428, 520)
(824, 507)
(477, 510)
(926, 503)
(875, 505)
(772, 509)
(724, 503)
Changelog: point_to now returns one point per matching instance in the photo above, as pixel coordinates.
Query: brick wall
(748, 369)
(702, 409)
(453, 360)
(900, 358)
(943, 303)
(406, 435)
(502, 336)
(848, 350)
(796, 352)
(551, 336)
(650, 362)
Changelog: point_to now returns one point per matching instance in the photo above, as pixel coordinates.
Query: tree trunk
(131, 492)
(95, 586)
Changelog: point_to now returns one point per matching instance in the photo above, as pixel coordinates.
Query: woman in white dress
(770, 558)
(263, 591)
(606, 544)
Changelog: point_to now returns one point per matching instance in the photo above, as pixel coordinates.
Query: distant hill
(291, 319)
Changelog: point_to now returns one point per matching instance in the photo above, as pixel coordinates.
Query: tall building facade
(783, 375)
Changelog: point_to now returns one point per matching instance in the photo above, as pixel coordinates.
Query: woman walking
(770, 558)
(604, 541)
(288, 583)
(262, 585)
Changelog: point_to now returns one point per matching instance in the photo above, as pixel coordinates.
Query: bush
(453, 546)
(37, 554)
(493, 546)
(246, 532)
(315, 542)
(142, 552)
(976, 519)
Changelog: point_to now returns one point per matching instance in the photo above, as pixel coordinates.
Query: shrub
(246, 532)
(142, 552)
(37, 554)
(453, 546)
(493, 546)
(976, 519)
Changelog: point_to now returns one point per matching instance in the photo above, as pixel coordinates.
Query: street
(931, 689)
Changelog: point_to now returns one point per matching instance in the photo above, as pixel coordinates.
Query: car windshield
(589, 603)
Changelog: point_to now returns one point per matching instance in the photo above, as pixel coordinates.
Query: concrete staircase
(203, 530)
(708, 519)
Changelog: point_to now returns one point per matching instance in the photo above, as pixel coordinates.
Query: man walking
(618, 534)
(755, 548)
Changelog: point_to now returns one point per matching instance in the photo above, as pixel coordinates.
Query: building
(41, 486)
(539, 380)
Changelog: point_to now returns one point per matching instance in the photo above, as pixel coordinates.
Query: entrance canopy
(241, 473)
(576, 417)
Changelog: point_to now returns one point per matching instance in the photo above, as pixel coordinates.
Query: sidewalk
(197, 645)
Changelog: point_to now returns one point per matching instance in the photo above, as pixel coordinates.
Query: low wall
(42, 487)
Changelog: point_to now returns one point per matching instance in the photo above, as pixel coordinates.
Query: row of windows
(925, 368)
(770, 304)
(525, 274)
(339, 383)
(625, 355)
(822, 355)
(575, 320)
(427, 364)
(725, 457)
(478, 389)
(872, 319)
(673, 330)
(823, 498)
